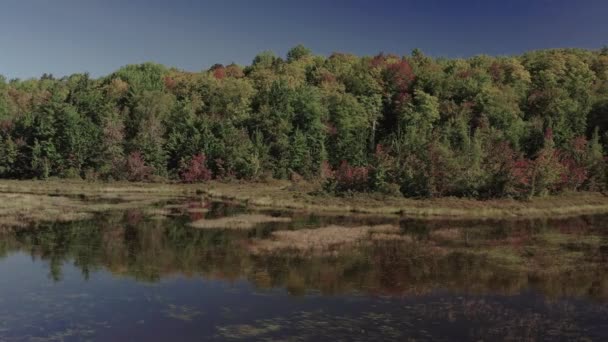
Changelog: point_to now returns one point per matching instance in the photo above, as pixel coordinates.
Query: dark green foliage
(298, 52)
(8, 155)
(480, 127)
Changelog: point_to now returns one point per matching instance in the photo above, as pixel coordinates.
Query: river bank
(30, 201)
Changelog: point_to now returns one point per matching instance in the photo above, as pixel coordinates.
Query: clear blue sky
(98, 36)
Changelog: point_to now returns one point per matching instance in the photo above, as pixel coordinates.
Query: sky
(99, 36)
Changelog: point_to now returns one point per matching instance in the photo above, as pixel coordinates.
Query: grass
(304, 196)
(246, 221)
(23, 202)
(100, 190)
(560, 239)
(22, 209)
(321, 240)
(547, 252)
(246, 331)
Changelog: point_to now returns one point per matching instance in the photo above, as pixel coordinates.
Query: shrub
(196, 170)
(547, 170)
(351, 178)
(573, 160)
(521, 177)
(136, 168)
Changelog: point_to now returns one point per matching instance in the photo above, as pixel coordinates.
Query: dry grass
(321, 240)
(247, 221)
(158, 213)
(449, 234)
(106, 190)
(197, 210)
(26, 202)
(186, 208)
(21, 209)
(283, 194)
(390, 237)
(301, 196)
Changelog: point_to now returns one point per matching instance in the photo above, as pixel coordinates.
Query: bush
(351, 178)
(196, 170)
(574, 163)
(136, 168)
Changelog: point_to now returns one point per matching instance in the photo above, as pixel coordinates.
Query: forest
(414, 126)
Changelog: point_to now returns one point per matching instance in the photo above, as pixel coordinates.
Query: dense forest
(416, 126)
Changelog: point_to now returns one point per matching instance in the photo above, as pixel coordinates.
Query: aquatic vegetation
(18, 210)
(320, 240)
(338, 257)
(246, 221)
(24, 203)
(246, 331)
(449, 234)
(158, 213)
(387, 271)
(21, 210)
(182, 313)
(306, 196)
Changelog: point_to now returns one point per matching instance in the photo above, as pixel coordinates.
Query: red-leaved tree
(136, 167)
(399, 77)
(574, 159)
(351, 178)
(196, 170)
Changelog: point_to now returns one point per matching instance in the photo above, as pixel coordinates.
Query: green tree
(546, 169)
(561, 91)
(298, 52)
(112, 156)
(8, 156)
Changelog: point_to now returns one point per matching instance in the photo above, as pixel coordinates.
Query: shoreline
(285, 195)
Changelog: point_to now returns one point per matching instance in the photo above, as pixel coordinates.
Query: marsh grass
(115, 190)
(25, 202)
(322, 240)
(306, 196)
(246, 331)
(19, 210)
(183, 208)
(447, 234)
(182, 312)
(560, 239)
(543, 253)
(246, 221)
(157, 212)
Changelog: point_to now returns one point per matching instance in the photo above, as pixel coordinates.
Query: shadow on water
(426, 280)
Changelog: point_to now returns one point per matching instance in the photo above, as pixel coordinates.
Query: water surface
(137, 275)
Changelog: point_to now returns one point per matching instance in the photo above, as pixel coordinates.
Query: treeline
(414, 125)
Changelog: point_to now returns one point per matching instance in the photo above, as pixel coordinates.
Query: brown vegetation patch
(391, 237)
(308, 196)
(157, 212)
(321, 240)
(19, 210)
(246, 221)
(26, 202)
(447, 234)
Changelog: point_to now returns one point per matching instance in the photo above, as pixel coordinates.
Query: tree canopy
(412, 125)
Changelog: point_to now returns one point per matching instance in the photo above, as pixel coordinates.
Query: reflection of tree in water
(474, 257)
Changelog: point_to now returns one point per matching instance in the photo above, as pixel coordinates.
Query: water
(130, 275)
